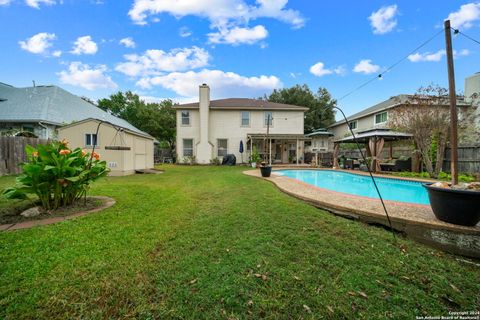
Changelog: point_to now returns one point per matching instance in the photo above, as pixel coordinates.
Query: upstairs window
(245, 116)
(353, 124)
(185, 118)
(91, 140)
(222, 145)
(268, 119)
(381, 117)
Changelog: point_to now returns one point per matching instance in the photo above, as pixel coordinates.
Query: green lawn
(211, 243)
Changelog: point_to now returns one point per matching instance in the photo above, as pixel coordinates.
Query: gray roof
(320, 132)
(51, 105)
(387, 134)
(243, 103)
(388, 104)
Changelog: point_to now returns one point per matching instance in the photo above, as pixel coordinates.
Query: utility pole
(453, 103)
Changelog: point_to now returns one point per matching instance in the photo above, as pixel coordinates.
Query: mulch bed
(14, 220)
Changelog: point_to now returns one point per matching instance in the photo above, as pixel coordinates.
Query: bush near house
(58, 175)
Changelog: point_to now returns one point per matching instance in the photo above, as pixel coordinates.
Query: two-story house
(378, 116)
(211, 129)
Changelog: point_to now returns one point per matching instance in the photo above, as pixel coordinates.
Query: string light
(380, 76)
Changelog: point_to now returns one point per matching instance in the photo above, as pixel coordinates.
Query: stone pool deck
(417, 221)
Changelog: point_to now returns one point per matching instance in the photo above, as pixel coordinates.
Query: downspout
(44, 127)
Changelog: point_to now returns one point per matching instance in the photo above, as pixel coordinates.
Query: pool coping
(415, 220)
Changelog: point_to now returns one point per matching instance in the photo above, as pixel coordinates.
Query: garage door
(140, 154)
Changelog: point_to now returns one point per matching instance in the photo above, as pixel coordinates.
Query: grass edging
(107, 202)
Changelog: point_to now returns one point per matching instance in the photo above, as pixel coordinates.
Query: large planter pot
(460, 207)
(266, 171)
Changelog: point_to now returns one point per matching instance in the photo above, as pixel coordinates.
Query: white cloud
(84, 45)
(223, 84)
(229, 18)
(154, 62)
(90, 78)
(5, 2)
(180, 100)
(366, 66)
(427, 56)
(36, 3)
(383, 20)
(319, 70)
(219, 12)
(238, 35)
(436, 56)
(57, 53)
(465, 16)
(38, 43)
(184, 32)
(128, 42)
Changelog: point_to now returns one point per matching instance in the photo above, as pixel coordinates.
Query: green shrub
(255, 157)
(215, 161)
(58, 175)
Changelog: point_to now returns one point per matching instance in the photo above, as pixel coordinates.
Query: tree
(426, 116)
(320, 105)
(157, 119)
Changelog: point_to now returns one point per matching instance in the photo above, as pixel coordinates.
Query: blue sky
(166, 48)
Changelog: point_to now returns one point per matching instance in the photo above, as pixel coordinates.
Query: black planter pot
(460, 207)
(266, 171)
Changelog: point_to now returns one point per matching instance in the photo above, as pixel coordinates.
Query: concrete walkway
(417, 221)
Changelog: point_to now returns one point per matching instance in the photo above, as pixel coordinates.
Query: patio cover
(279, 136)
(374, 140)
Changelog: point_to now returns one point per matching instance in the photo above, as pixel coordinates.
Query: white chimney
(472, 88)
(204, 148)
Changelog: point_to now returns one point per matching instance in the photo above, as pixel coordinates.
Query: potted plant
(266, 170)
(254, 158)
(458, 204)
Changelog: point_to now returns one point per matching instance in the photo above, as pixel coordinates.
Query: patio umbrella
(241, 149)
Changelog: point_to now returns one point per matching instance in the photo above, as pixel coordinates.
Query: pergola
(268, 142)
(374, 141)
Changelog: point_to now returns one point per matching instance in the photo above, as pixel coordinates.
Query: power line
(380, 75)
(465, 35)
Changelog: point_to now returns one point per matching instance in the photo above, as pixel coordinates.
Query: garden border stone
(107, 203)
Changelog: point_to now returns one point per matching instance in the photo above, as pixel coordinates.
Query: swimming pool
(360, 185)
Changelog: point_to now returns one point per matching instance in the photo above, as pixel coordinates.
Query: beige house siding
(364, 123)
(226, 124)
(120, 162)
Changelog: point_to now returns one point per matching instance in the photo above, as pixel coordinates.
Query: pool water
(360, 185)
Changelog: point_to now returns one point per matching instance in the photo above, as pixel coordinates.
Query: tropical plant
(255, 157)
(58, 175)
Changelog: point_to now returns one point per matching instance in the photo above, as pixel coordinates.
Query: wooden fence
(12, 153)
(468, 159)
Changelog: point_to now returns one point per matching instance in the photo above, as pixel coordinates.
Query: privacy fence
(12, 153)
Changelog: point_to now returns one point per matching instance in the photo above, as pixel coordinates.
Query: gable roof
(115, 126)
(51, 105)
(385, 105)
(244, 104)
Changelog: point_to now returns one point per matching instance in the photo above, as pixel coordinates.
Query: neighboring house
(44, 110)
(378, 116)
(124, 150)
(211, 129)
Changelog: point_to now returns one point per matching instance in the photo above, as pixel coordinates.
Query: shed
(124, 150)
